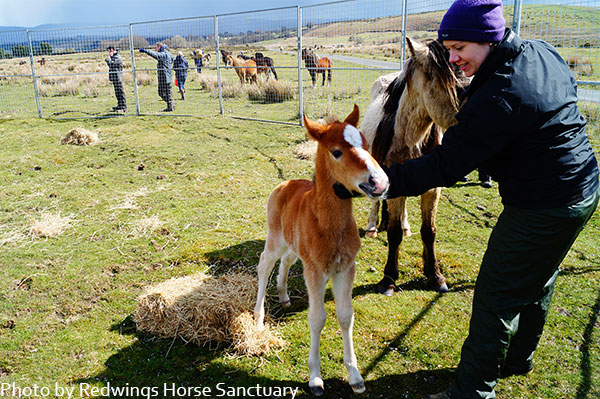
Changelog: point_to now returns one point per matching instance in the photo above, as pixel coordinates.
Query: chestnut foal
(314, 221)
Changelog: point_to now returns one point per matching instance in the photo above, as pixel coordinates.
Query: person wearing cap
(520, 122)
(115, 72)
(163, 69)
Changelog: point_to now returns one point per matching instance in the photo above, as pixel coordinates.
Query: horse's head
(434, 76)
(228, 60)
(343, 156)
(224, 54)
(305, 53)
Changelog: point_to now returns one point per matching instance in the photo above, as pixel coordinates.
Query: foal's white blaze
(354, 138)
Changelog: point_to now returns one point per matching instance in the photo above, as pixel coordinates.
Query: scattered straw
(147, 225)
(49, 225)
(80, 136)
(201, 309)
(306, 149)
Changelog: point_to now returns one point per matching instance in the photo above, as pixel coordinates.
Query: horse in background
(265, 65)
(312, 221)
(316, 65)
(245, 69)
(406, 118)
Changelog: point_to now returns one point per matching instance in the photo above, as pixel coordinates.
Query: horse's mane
(437, 67)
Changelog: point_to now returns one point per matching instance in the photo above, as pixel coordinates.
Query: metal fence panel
(362, 39)
(17, 94)
(273, 33)
(62, 73)
(71, 72)
(181, 36)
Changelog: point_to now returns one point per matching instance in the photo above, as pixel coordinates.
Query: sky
(32, 13)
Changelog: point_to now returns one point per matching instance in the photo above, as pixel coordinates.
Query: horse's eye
(336, 154)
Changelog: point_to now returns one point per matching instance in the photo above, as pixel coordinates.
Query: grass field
(160, 197)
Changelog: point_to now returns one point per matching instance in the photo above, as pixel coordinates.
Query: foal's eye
(336, 153)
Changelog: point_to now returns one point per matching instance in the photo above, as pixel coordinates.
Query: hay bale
(202, 309)
(80, 136)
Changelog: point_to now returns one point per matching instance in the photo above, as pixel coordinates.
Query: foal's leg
(371, 230)
(315, 283)
(273, 251)
(396, 208)
(287, 260)
(342, 290)
(431, 267)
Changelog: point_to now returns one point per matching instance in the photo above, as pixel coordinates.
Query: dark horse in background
(264, 64)
(406, 118)
(316, 65)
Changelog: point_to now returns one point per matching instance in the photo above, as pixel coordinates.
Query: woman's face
(467, 55)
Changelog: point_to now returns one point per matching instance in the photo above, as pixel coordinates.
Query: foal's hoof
(371, 233)
(358, 387)
(317, 391)
(285, 304)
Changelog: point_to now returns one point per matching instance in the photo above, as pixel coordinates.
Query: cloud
(29, 13)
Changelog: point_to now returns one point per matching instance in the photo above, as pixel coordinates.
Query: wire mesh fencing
(347, 45)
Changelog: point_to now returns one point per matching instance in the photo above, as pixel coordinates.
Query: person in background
(115, 72)
(521, 123)
(180, 65)
(198, 55)
(163, 70)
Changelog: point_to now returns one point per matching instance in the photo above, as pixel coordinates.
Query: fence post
(300, 100)
(135, 86)
(403, 37)
(516, 25)
(217, 50)
(35, 88)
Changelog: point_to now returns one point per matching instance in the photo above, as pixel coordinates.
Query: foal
(314, 221)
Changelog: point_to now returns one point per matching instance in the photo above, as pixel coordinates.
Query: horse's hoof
(371, 233)
(358, 387)
(285, 304)
(386, 290)
(442, 289)
(406, 232)
(317, 391)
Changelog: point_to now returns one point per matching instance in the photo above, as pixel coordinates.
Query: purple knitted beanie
(477, 21)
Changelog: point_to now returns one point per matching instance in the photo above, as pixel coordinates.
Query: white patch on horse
(363, 154)
(352, 136)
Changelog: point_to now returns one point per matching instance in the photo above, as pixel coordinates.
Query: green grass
(65, 301)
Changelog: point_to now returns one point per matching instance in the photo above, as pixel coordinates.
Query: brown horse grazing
(313, 221)
(400, 125)
(245, 69)
(316, 65)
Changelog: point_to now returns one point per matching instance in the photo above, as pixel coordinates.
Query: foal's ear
(352, 119)
(314, 129)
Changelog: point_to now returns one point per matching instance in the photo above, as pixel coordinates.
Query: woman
(521, 123)
(180, 65)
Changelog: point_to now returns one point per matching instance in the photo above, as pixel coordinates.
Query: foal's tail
(385, 130)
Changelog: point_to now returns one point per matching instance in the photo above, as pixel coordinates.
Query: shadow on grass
(586, 368)
(160, 363)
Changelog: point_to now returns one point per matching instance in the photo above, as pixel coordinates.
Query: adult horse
(313, 221)
(406, 119)
(245, 69)
(316, 65)
(265, 65)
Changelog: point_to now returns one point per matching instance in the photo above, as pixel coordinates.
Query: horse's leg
(328, 76)
(342, 290)
(431, 267)
(371, 230)
(323, 83)
(313, 76)
(387, 285)
(315, 283)
(269, 256)
(404, 222)
(287, 260)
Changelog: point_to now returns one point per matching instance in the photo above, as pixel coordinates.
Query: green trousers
(513, 292)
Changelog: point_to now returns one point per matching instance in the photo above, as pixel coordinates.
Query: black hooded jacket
(521, 123)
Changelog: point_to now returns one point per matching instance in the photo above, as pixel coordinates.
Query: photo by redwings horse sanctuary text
(172, 390)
